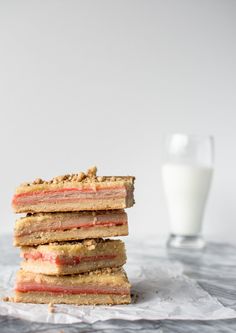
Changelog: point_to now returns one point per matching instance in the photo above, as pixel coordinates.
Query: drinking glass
(187, 173)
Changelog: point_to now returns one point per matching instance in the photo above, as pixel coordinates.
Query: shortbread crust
(73, 257)
(108, 286)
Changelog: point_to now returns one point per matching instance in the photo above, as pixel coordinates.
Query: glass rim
(198, 139)
(190, 135)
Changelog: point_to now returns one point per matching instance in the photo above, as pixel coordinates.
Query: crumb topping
(90, 244)
(89, 177)
(51, 308)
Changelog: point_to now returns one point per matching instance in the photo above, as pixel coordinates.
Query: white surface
(161, 288)
(186, 188)
(99, 82)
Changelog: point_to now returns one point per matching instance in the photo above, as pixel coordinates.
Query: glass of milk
(187, 173)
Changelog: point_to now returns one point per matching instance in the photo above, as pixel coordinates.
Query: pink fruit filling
(69, 195)
(57, 289)
(60, 260)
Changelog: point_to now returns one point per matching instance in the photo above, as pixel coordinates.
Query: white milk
(186, 188)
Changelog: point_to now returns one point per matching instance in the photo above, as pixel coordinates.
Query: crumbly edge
(90, 177)
(72, 247)
(109, 276)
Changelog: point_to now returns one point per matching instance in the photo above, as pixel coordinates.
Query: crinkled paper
(160, 290)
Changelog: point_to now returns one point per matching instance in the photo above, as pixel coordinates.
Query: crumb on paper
(6, 299)
(90, 244)
(134, 297)
(51, 308)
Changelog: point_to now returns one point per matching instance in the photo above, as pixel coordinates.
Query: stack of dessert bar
(65, 256)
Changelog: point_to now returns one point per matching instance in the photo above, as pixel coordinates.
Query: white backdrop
(100, 82)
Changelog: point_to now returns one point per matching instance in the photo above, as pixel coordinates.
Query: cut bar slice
(108, 286)
(73, 257)
(43, 228)
(75, 192)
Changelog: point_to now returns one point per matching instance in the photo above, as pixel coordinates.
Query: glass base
(186, 242)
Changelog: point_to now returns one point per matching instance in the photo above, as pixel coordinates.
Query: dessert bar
(108, 286)
(42, 228)
(76, 192)
(73, 257)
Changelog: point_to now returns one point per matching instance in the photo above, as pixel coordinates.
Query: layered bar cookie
(76, 192)
(73, 257)
(108, 286)
(43, 228)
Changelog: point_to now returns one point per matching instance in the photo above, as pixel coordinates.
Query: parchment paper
(159, 287)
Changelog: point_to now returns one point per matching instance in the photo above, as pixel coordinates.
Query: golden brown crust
(45, 298)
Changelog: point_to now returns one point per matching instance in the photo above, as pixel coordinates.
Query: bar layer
(73, 193)
(73, 257)
(109, 286)
(44, 228)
